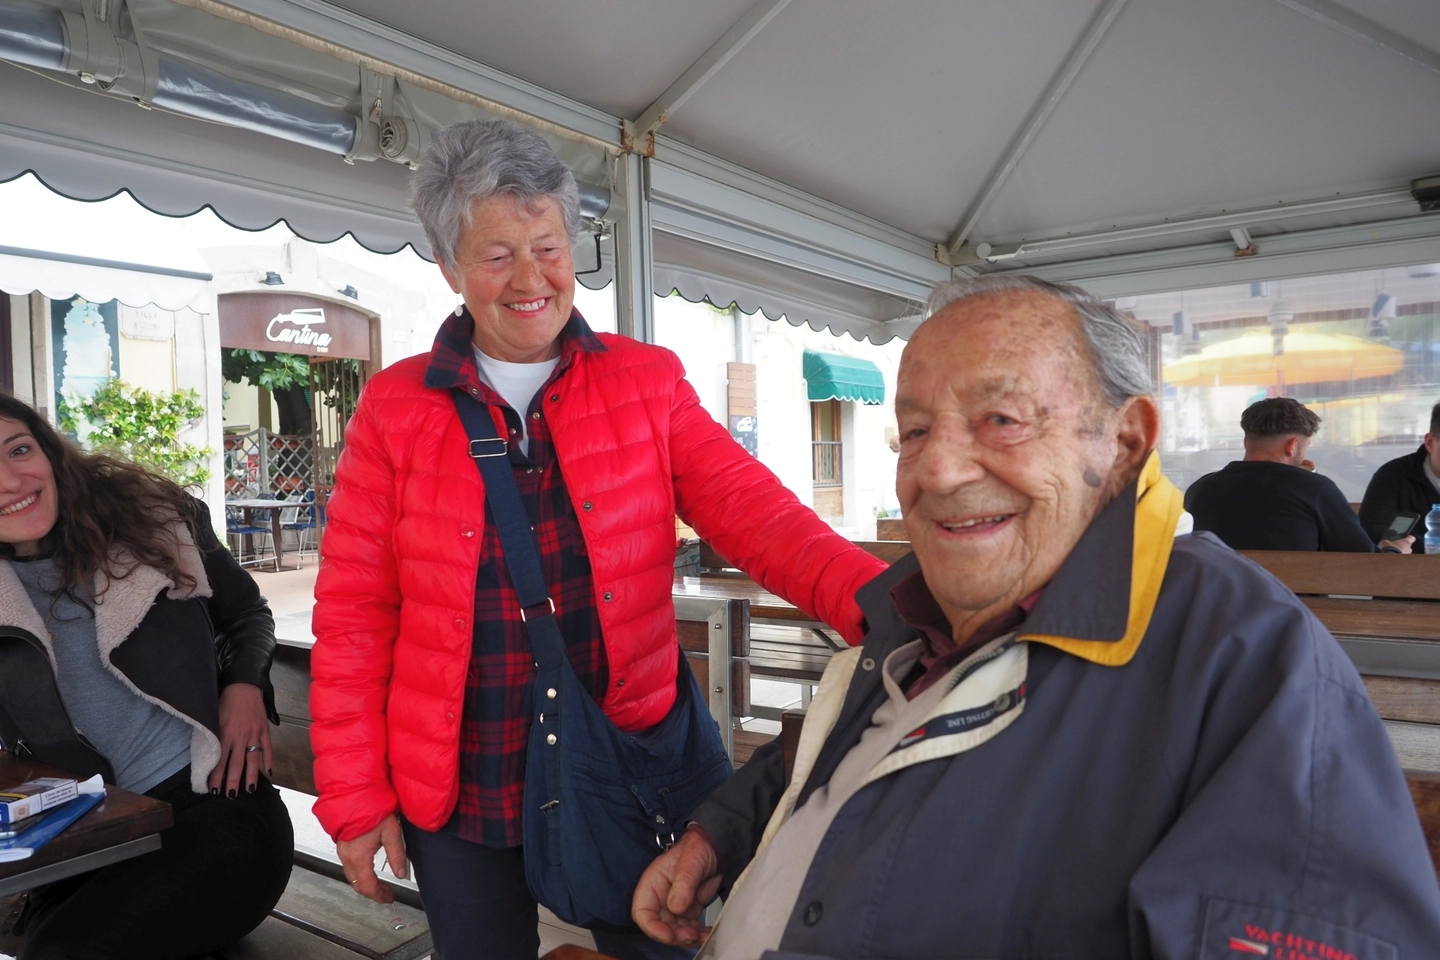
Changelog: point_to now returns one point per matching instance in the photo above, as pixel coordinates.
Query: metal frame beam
(1388, 243)
(1054, 93)
(1214, 222)
(1357, 27)
(691, 205)
(639, 135)
(634, 249)
(717, 617)
(343, 33)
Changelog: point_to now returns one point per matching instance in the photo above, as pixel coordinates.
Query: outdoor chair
(292, 520)
(236, 530)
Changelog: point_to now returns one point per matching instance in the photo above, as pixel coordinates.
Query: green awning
(831, 376)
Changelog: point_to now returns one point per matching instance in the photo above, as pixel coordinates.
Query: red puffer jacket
(394, 597)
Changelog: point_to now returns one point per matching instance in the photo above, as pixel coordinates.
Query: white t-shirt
(517, 383)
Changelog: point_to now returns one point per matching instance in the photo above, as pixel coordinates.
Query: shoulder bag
(599, 803)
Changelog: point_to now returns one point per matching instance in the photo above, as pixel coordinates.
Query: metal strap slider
(477, 453)
(525, 617)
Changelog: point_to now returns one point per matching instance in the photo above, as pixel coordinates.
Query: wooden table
(763, 604)
(124, 825)
(785, 642)
(250, 505)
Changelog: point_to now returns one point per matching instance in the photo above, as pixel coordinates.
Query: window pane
(1360, 349)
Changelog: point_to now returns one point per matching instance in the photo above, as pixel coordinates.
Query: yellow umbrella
(1250, 360)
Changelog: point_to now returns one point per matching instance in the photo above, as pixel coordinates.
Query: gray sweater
(143, 743)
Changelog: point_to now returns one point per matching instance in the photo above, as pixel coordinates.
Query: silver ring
(253, 748)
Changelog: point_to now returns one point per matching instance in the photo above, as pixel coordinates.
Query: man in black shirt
(1268, 501)
(1408, 484)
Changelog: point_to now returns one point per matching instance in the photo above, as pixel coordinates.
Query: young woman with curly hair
(133, 645)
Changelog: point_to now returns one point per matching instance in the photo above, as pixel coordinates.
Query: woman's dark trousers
(480, 908)
(218, 872)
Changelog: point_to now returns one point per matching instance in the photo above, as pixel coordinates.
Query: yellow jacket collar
(1099, 604)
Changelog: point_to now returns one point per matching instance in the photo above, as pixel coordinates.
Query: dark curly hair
(102, 503)
(1279, 417)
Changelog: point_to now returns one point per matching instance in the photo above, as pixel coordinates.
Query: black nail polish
(231, 794)
(270, 774)
(250, 789)
(214, 791)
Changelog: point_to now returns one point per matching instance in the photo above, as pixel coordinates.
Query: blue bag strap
(491, 454)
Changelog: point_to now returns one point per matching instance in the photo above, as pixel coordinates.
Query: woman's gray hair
(1118, 352)
(478, 159)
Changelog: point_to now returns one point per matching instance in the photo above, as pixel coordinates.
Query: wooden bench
(1385, 611)
(320, 916)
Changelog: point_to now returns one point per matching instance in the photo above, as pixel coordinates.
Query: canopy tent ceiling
(830, 162)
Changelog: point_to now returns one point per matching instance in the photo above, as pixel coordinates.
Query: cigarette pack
(28, 799)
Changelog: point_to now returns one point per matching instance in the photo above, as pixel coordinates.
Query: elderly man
(1073, 729)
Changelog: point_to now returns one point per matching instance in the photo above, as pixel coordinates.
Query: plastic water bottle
(1432, 529)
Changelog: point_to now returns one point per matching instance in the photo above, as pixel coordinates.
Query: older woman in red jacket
(422, 667)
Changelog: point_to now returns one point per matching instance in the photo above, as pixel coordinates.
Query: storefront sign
(291, 323)
(296, 327)
(146, 323)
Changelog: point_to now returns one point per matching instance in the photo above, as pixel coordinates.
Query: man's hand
(1403, 545)
(674, 890)
(358, 858)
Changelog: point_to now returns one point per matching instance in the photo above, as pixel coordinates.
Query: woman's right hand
(358, 858)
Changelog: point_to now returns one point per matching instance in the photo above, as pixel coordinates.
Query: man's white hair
(1119, 357)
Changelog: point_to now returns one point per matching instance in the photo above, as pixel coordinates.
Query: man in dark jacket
(1073, 729)
(1270, 500)
(1408, 484)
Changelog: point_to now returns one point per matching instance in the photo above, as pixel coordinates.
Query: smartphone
(1402, 526)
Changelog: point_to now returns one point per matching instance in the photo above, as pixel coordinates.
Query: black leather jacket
(182, 653)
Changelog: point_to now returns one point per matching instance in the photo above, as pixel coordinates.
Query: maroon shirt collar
(918, 608)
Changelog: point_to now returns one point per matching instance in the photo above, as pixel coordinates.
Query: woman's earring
(459, 308)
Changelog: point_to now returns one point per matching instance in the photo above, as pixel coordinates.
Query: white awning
(104, 255)
(62, 276)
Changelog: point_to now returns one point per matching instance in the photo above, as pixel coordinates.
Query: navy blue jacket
(1226, 790)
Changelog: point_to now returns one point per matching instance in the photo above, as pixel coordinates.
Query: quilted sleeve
(743, 510)
(356, 621)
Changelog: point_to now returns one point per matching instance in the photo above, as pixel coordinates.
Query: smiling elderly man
(1074, 729)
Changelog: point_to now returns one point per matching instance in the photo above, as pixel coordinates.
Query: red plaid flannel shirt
(495, 724)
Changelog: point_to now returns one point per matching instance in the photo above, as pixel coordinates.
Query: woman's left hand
(243, 725)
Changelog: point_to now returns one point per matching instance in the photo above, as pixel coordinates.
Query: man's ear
(1137, 433)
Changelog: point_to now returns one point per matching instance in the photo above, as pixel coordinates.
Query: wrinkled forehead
(995, 344)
